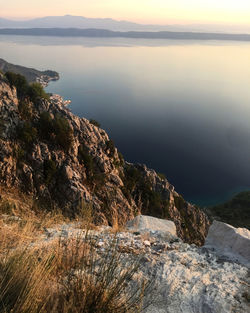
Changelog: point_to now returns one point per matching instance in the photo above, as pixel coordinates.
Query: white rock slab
(149, 223)
(229, 241)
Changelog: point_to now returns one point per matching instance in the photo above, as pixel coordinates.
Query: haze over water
(181, 107)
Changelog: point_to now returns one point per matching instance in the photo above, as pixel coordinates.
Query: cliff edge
(63, 161)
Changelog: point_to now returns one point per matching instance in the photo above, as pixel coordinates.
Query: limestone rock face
(185, 278)
(142, 223)
(90, 171)
(229, 242)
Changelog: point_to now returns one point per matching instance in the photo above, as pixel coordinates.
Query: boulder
(143, 223)
(229, 241)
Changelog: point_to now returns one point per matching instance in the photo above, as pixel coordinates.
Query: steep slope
(235, 211)
(65, 161)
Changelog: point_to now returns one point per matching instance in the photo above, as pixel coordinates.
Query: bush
(110, 146)
(94, 122)
(86, 159)
(19, 154)
(49, 169)
(56, 130)
(36, 91)
(25, 110)
(139, 188)
(33, 91)
(161, 175)
(2, 127)
(63, 132)
(19, 82)
(45, 125)
(27, 133)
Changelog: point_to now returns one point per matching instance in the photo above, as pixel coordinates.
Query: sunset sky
(143, 11)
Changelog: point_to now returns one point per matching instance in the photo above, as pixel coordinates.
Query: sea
(180, 107)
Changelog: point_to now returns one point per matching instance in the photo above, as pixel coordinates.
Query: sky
(235, 12)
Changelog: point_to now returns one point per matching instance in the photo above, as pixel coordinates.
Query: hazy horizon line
(170, 23)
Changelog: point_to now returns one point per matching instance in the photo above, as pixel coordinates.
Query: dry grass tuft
(66, 276)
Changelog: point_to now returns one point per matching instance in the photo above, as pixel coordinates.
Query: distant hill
(30, 74)
(76, 32)
(69, 21)
(235, 212)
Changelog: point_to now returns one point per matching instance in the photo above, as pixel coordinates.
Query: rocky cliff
(65, 161)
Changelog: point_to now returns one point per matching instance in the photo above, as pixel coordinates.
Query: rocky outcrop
(229, 242)
(67, 162)
(143, 223)
(184, 278)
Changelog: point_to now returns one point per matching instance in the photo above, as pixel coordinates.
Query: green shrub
(94, 122)
(25, 110)
(19, 154)
(2, 127)
(49, 169)
(27, 133)
(121, 158)
(139, 188)
(56, 130)
(161, 175)
(33, 91)
(19, 82)
(235, 212)
(45, 126)
(86, 159)
(36, 91)
(179, 203)
(110, 146)
(63, 132)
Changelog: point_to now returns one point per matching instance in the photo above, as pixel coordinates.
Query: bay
(181, 107)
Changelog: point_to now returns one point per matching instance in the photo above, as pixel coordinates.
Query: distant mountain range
(104, 33)
(69, 21)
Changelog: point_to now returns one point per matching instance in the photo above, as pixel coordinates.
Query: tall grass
(73, 275)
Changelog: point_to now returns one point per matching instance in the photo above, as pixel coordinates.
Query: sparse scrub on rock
(87, 165)
(26, 133)
(94, 122)
(33, 91)
(66, 275)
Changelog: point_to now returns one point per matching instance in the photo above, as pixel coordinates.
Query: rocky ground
(185, 278)
(59, 160)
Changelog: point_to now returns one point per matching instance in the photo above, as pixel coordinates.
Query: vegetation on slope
(64, 275)
(235, 212)
(61, 160)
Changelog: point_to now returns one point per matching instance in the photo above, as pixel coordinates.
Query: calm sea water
(182, 108)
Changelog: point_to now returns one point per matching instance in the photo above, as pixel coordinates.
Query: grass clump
(68, 275)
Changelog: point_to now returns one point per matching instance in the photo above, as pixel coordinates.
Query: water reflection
(183, 108)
